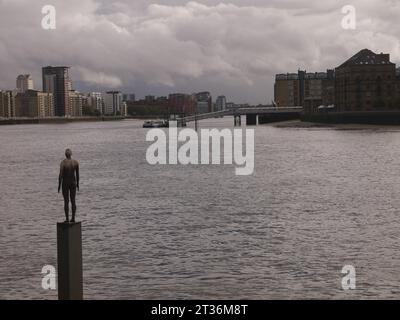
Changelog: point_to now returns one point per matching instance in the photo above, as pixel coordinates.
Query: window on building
(379, 86)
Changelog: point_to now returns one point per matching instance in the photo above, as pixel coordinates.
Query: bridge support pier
(237, 120)
(251, 119)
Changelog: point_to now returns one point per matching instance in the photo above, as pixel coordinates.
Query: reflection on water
(318, 200)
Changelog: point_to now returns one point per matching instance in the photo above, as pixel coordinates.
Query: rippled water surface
(319, 199)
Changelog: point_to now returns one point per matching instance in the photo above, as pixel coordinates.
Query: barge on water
(163, 123)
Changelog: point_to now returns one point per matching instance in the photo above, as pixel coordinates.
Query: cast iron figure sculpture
(69, 180)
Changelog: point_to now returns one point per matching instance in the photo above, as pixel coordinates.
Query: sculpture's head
(68, 153)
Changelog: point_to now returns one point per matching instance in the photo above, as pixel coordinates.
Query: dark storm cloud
(229, 47)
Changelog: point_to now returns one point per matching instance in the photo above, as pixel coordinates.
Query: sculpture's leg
(73, 203)
(65, 191)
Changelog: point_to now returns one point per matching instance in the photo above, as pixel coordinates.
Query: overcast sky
(230, 47)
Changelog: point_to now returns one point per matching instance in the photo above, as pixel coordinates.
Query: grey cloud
(228, 47)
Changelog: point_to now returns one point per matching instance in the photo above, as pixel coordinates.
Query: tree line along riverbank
(13, 121)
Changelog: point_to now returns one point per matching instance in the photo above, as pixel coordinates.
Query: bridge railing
(241, 111)
(202, 116)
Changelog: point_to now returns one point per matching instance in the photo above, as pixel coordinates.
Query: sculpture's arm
(60, 177)
(77, 175)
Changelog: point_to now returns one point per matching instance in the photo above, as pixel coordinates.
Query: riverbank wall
(273, 117)
(372, 117)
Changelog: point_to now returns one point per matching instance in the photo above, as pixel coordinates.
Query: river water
(319, 199)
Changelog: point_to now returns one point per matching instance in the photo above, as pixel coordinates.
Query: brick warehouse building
(179, 103)
(367, 82)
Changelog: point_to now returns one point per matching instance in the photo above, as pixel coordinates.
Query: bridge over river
(254, 115)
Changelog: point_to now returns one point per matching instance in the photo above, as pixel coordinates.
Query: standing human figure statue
(69, 180)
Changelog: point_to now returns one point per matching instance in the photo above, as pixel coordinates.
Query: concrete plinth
(69, 261)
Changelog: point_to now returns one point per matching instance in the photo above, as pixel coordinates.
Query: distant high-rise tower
(204, 102)
(113, 103)
(24, 83)
(128, 97)
(56, 80)
(221, 103)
